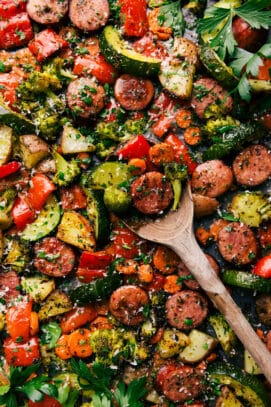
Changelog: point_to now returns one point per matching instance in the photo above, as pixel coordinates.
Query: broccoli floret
(111, 346)
(55, 68)
(104, 148)
(109, 130)
(133, 127)
(66, 171)
(176, 173)
(36, 83)
(116, 199)
(220, 125)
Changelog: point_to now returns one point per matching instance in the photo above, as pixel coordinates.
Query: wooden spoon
(175, 230)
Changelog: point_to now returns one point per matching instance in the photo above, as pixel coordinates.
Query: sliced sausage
(9, 283)
(237, 243)
(207, 92)
(253, 165)
(151, 193)
(47, 11)
(133, 93)
(89, 15)
(85, 97)
(182, 384)
(127, 304)
(186, 309)
(212, 178)
(53, 257)
(263, 309)
(187, 277)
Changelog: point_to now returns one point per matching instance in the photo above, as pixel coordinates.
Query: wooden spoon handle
(197, 263)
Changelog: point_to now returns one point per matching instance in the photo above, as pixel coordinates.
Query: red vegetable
(46, 43)
(182, 153)
(96, 66)
(16, 31)
(96, 260)
(47, 401)
(40, 190)
(125, 243)
(134, 17)
(9, 8)
(263, 267)
(18, 320)
(265, 70)
(77, 317)
(86, 275)
(8, 85)
(138, 147)
(9, 168)
(22, 213)
(21, 353)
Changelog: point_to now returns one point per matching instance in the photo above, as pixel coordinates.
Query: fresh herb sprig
(170, 15)
(246, 63)
(217, 23)
(98, 378)
(21, 385)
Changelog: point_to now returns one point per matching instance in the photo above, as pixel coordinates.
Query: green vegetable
(51, 334)
(7, 199)
(66, 171)
(125, 59)
(244, 279)
(18, 122)
(17, 255)
(170, 15)
(234, 140)
(176, 173)
(246, 386)
(6, 139)
(110, 173)
(251, 208)
(215, 127)
(45, 223)
(117, 199)
(215, 28)
(224, 333)
(178, 78)
(196, 6)
(22, 386)
(96, 290)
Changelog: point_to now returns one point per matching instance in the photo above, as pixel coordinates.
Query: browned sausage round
(133, 93)
(237, 243)
(127, 304)
(187, 277)
(212, 178)
(151, 193)
(47, 11)
(253, 165)
(186, 309)
(53, 257)
(89, 15)
(208, 92)
(182, 384)
(247, 37)
(85, 97)
(9, 283)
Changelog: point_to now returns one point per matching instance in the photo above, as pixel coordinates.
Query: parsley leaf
(252, 12)
(36, 388)
(51, 334)
(171, 16)
(129, 396)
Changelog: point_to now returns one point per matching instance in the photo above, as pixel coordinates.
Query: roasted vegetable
(66, 171)
(5, 143)
(32, 149)
(56, 303)
(7, 199)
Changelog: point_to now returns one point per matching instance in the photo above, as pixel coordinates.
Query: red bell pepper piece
(9, 8)
(138, 147)
(134, 17)
(47, 401)
(8, 85)
(22, 353)
(86, 275)
(9, 168)
(73, 197)
(22, 213)
(40, 190)
(95, 260)
(182, 153)
(96, 66)
(16, 31)
(263, 267)
(18, 320)
(46, 43)
(125, 243)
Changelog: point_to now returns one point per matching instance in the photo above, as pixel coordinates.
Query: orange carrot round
(78, 343)
(183, 118)
(137, 166)
(62, 348)
(145, 273)
(171, 284)
(192, 136)
(161, 153)
(165, 260)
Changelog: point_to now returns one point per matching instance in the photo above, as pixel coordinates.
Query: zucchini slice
(19, 123)
(109, 173)
(45, 223)
(178, 79)
(98, 214)
(125, 59)
(217, 68)
(246, 386)
(244, 279)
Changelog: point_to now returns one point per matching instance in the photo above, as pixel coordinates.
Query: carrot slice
(192, 136)
(165, 260)
(183, 118)
(62, 348)
(171, 284)
(78, 343)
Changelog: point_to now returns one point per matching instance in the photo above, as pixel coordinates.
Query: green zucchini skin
(234, 140)
(245, 279)
(15, 120)
(99, 289)
(125, 59)
(227, 374)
